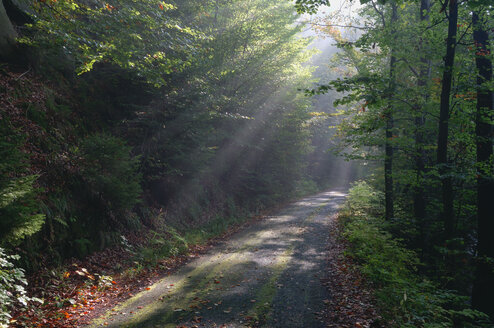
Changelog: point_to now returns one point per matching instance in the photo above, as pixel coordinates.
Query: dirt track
(269, 275)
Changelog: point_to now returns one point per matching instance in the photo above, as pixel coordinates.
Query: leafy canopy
(137, 35)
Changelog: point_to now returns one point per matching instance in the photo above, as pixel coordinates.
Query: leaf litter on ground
(352, 304)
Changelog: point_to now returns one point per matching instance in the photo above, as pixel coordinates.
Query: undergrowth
(405, 297)
(170, 242)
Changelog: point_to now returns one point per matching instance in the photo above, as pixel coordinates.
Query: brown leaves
(84, 273)
(352, 304)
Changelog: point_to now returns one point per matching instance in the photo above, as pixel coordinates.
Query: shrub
(19, 210)
(110, 172)
(405, 298)
(365, 200)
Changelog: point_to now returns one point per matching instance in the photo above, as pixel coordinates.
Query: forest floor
(273, 273)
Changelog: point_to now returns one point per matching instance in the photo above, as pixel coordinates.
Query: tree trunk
(484, 281)
(424, 75)
(388, 146)
(388, 161)
(447, 214)
(7, 34)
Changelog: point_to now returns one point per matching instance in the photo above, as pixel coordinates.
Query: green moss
(264, 298)
(212, 229)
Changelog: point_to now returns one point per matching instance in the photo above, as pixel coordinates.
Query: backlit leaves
(127, 33)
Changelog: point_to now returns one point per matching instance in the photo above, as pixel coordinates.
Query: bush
(365, 200)
(110, 172)
(405, 298)
(19, 209)
(306, 187)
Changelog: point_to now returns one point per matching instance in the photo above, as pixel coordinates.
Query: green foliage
(365, 200)
(306, 187)
(160, 246)
(406, 298)
(19, 211)
(136, 35)
(310, 6)
(235, 104)
(392, 91)
(12, 287)
(110, 172)
(213, 228)
(384, 260)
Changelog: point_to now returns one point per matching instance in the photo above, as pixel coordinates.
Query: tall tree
(447, 213)
(424, 76)
(388, 147)
(484, 282)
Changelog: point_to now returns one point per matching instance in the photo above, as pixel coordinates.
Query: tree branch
(380, 13)
(338, 25)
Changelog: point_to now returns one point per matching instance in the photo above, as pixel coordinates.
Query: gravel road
(269, 275)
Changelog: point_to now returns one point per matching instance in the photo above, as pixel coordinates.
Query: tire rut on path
(266, 275)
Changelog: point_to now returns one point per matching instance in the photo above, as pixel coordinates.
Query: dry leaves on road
(352, 304)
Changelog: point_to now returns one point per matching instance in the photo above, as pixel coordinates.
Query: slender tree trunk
(216, 10)
(388, 146)
(484, 283)
(7, 33)
(447, 214)
(424, 75)
(388, 162)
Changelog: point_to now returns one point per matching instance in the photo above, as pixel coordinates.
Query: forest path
(270, 274)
